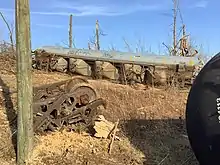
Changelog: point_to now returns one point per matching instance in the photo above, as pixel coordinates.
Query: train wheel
(75, 80)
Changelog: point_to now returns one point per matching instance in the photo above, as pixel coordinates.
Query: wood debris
(113, 137)
(104, 128)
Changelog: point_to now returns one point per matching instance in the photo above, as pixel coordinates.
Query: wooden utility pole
(71, 31)
(174, 27)
(24, 82)
(97, 35)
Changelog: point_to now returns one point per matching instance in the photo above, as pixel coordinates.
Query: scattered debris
(113, 137)
(103, 128)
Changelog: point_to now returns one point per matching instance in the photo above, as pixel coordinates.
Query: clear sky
(145, 21)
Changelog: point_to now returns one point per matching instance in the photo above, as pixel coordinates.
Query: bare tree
(127, 45)
(71, 42)
(180, 45)
(97, 35)
(10, 29)
(95, 39)
(140, 46)
(91, 42)
(89, 46)
(173, 50)
(66, 43)
(112, 47)
(192, 47)
(168, 48)
(175, 4)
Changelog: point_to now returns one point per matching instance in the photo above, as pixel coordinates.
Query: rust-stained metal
(119, 67)
(65, 103)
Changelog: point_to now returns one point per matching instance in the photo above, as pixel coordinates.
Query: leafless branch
(101, 32)
(127, 45)
(112, 47)
(168, 48)
(175, 4)
(10, 31)
(67, 44)
(141, 46)
(91, 42)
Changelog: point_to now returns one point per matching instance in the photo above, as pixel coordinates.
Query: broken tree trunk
(70, 32)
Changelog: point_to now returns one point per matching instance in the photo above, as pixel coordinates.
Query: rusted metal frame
(44, 120)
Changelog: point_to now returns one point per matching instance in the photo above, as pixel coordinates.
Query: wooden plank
(24, 82)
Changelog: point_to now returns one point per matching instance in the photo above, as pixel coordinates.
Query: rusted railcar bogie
(65, 104)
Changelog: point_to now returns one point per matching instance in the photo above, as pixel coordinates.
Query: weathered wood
(24, 82)
(97, 35)
(104, 128)
(113, 137)
(71, 31)
(175, 3)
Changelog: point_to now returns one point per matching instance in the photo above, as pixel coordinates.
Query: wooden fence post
(24, 82)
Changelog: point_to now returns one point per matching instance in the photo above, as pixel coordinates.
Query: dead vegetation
(151, 126)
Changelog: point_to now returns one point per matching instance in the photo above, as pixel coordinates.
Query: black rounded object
(203, 114)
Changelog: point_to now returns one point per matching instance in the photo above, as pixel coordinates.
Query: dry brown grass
(7, 63)
(72, 148)
(149, 124)
(124, 102)
(152, 119)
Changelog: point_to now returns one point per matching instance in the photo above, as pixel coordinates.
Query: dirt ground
(152, 128)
